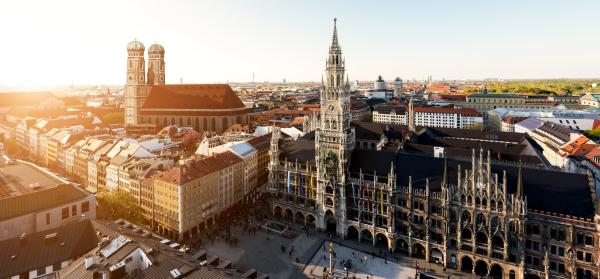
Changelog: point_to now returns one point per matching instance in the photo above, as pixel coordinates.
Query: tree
(113, 118)
(593, 134)
(118, 204)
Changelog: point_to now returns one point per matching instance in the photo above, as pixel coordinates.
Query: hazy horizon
(70, 42)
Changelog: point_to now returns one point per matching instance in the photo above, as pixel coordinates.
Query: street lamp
(346, 269)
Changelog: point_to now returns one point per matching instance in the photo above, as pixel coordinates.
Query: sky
(59, 42)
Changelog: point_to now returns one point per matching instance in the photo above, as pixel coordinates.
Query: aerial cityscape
(250, 139)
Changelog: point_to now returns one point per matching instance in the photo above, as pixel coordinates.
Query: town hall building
(476, 214)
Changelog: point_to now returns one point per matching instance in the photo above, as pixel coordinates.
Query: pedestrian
(353, 254)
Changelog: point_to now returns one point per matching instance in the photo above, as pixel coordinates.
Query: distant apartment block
(462, 118)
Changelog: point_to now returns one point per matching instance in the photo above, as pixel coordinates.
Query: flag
(300, 192)
(312, 185)
(289, 189)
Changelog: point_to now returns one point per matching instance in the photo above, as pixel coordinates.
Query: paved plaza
(363, 265)
(262, 251)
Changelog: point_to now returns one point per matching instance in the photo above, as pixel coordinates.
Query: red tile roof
(513, 119)
(181, 175)
(578, 146)
(192, 96)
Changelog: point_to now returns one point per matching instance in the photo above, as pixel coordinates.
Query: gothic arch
(381, 241)
(299, 217)
(481, 268)
(481, 237)
(288, 214)
(338, 81)
(366, 236)
(330, 222)
(481, 220)
(437, 253)
(310, 220)
(466, 234)
(418, 251)
(331, 80)
(495, 222)
(329, 189)
(352, 233)
(497, 241)
(466, 264)
(401, 245)
(496, 272)
(329, 202)
(466, 217)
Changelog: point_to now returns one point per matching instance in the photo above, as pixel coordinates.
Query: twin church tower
(138, 81)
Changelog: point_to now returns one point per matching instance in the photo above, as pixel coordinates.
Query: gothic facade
(474, 215)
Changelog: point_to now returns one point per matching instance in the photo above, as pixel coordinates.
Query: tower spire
(445, 177)
(334, 40)
(520, 183)
(411, 115)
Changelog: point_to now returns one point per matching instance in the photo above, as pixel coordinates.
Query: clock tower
(334, 139)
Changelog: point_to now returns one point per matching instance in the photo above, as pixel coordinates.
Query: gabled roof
(191, 171)
(34, 252)
(557, 130)
(39, 200)
(262, 142)
(578, 146)
(192, 96)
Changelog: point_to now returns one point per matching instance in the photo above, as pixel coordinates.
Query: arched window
(331, 80)
(480, 219)
(466, 217)
(339, 82)
(225, 123)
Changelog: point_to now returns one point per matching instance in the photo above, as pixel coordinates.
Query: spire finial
(334, 41)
